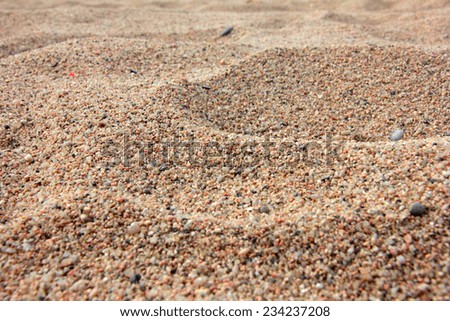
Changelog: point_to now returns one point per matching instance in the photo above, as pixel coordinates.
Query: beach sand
(143, 156)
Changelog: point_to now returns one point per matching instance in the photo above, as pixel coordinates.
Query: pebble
(244, 252)
(264, 209)
(79, 286)
(226, 31)
(200, 281)
(28, 158)
(134, 228)
(417, 209)
(27, 247)
(71, 260)
(422, 287)
(401, 259)
(135, 278)
(397, 135)
(154, 240)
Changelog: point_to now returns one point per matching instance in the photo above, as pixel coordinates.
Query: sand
(145, 157)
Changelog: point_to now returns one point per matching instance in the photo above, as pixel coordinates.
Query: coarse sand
(147, 154)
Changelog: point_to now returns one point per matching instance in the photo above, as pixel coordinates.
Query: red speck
(71, 74)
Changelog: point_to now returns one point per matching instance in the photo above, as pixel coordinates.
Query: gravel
(302, 196)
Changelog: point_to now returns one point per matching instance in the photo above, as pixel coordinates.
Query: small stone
(417, 209)
(84, 218)
(134, 228)
(351, 250)
(27, 247)
(408, 238)
(401, 260)
(71, 260)
(264, 209)
(244, 251)
(227, 31)
(79, 286)
(422, 287)
(135, 278)
(8, 250)
(397, 134)
(200, 281)
(23, 122)
(28, 158)
(154, 240)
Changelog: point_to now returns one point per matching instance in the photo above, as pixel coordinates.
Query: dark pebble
(417, 209)
(226, 32)
(135, 278)
(264, 209)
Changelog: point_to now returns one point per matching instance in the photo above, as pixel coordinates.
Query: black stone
(135, 278)
(226, 32)
(417, 209)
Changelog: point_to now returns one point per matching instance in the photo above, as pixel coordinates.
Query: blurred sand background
(77, 222)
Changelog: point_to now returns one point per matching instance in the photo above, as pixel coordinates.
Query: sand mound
(293, 94)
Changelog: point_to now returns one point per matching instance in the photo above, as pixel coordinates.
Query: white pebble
(200, 281)
(27, 247)
(351, 250)
(134, 228)
(244, 251)
(401, 260)
(28, 158)
(397, 134)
